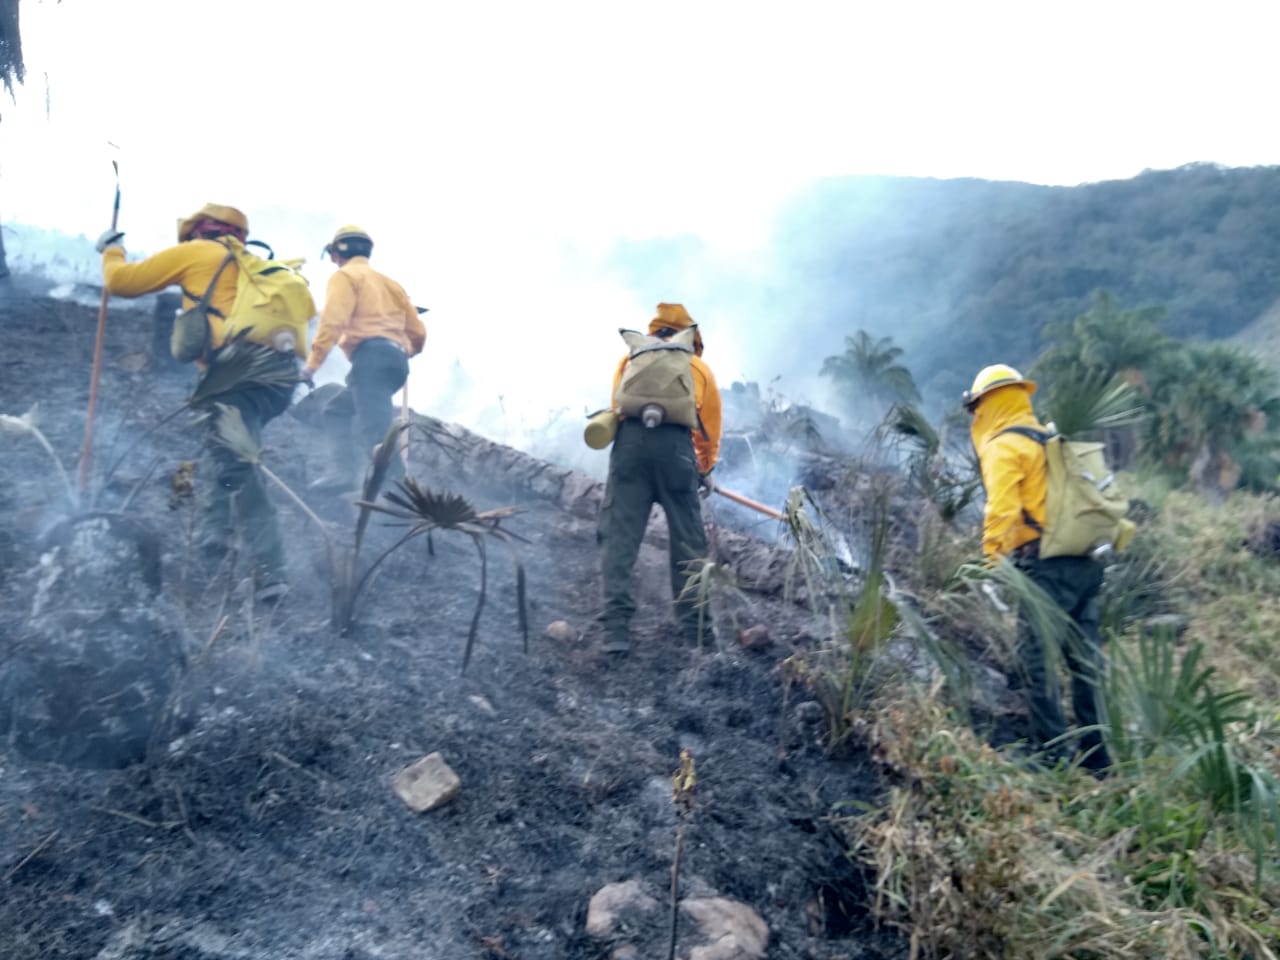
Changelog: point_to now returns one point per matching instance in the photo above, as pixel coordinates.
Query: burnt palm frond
(242, 365)
(442, 510)
(12, 66)
(229, 431)
(425, 511)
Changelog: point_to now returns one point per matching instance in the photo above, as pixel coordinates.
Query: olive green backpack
(1084, 508)
(659, 373)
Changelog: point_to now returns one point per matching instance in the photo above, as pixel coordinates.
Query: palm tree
(1091, 358)
(1209, 403)
(12, 71)
(1103, 343)
(868, 374)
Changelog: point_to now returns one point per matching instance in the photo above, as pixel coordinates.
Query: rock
(427, 784)
(615, 904)
(625, 952)
(562, 631)
(755, 638)
(810, 712)
(735, 930)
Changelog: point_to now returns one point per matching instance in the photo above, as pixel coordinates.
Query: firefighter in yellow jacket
(1015, 476)
(370, 317)
(238, 498)
(665, 464)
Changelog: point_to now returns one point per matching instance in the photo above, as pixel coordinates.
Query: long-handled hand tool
(748, 502)
(87, 449)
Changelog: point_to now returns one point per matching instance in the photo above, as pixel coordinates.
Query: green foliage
(939, 470)
(1208, 400)
(868, 375)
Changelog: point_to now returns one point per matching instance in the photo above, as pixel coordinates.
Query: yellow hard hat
(339, 243)
(993, 378)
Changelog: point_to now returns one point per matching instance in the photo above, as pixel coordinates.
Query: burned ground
(260, 822)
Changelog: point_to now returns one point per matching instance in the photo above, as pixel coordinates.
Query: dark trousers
(359, 416)
(238, 499)
(648, 466)
(1073, 583)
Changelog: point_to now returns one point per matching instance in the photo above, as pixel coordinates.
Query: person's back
(1015, 477)
(236, 501)
(659, 464)
(371, 319)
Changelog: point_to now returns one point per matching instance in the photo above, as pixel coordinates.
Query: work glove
(111, 238)
(705, 484)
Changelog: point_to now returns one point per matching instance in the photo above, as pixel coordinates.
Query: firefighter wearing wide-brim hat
(237, 498)
(371, 319)
(666, 465)
(1015, 476)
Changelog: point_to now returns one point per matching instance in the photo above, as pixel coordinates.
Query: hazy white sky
(479, 141)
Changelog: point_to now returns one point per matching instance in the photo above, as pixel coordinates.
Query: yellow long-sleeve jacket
(706, 396)
(359, 304)
(190, 265)
(1014, 472)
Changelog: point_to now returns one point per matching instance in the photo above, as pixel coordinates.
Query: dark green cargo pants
(649, 465)
(237, 498)
(1073, 583)
(357, 418)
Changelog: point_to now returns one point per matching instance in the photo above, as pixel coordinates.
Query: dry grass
(978, 857)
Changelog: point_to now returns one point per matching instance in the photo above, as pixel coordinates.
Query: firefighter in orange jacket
(1015, 476)
(667, 465)
(370, 317)
(238, 499)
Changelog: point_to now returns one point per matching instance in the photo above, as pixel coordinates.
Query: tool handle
(748, 502)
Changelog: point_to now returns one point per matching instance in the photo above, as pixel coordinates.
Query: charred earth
(185, 774)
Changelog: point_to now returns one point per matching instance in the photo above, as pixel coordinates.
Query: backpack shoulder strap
(203, 301)
(1031, 433)
(1041, 437)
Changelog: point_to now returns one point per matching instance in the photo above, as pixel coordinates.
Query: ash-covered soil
(261, 822)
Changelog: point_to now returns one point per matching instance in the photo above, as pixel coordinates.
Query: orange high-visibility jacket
(359, 304)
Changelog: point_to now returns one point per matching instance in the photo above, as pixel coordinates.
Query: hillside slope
(260, 821)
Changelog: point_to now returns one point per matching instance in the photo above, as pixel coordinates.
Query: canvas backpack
(273, 306)
(659, 373)
(273, 301)
(1084, 509)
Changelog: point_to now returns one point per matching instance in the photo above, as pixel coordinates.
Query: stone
(754, 638)
(562, 631)
(427, 784)
(735, 931)
(614, 904)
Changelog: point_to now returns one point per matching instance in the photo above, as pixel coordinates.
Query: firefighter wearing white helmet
(1015, 476)
(370, 317)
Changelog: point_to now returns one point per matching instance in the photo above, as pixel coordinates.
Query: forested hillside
(963, 272)
(993, 263)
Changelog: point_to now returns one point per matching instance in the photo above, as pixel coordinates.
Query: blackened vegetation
(256, 819)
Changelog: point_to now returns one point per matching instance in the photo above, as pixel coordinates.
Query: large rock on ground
(88, 677)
